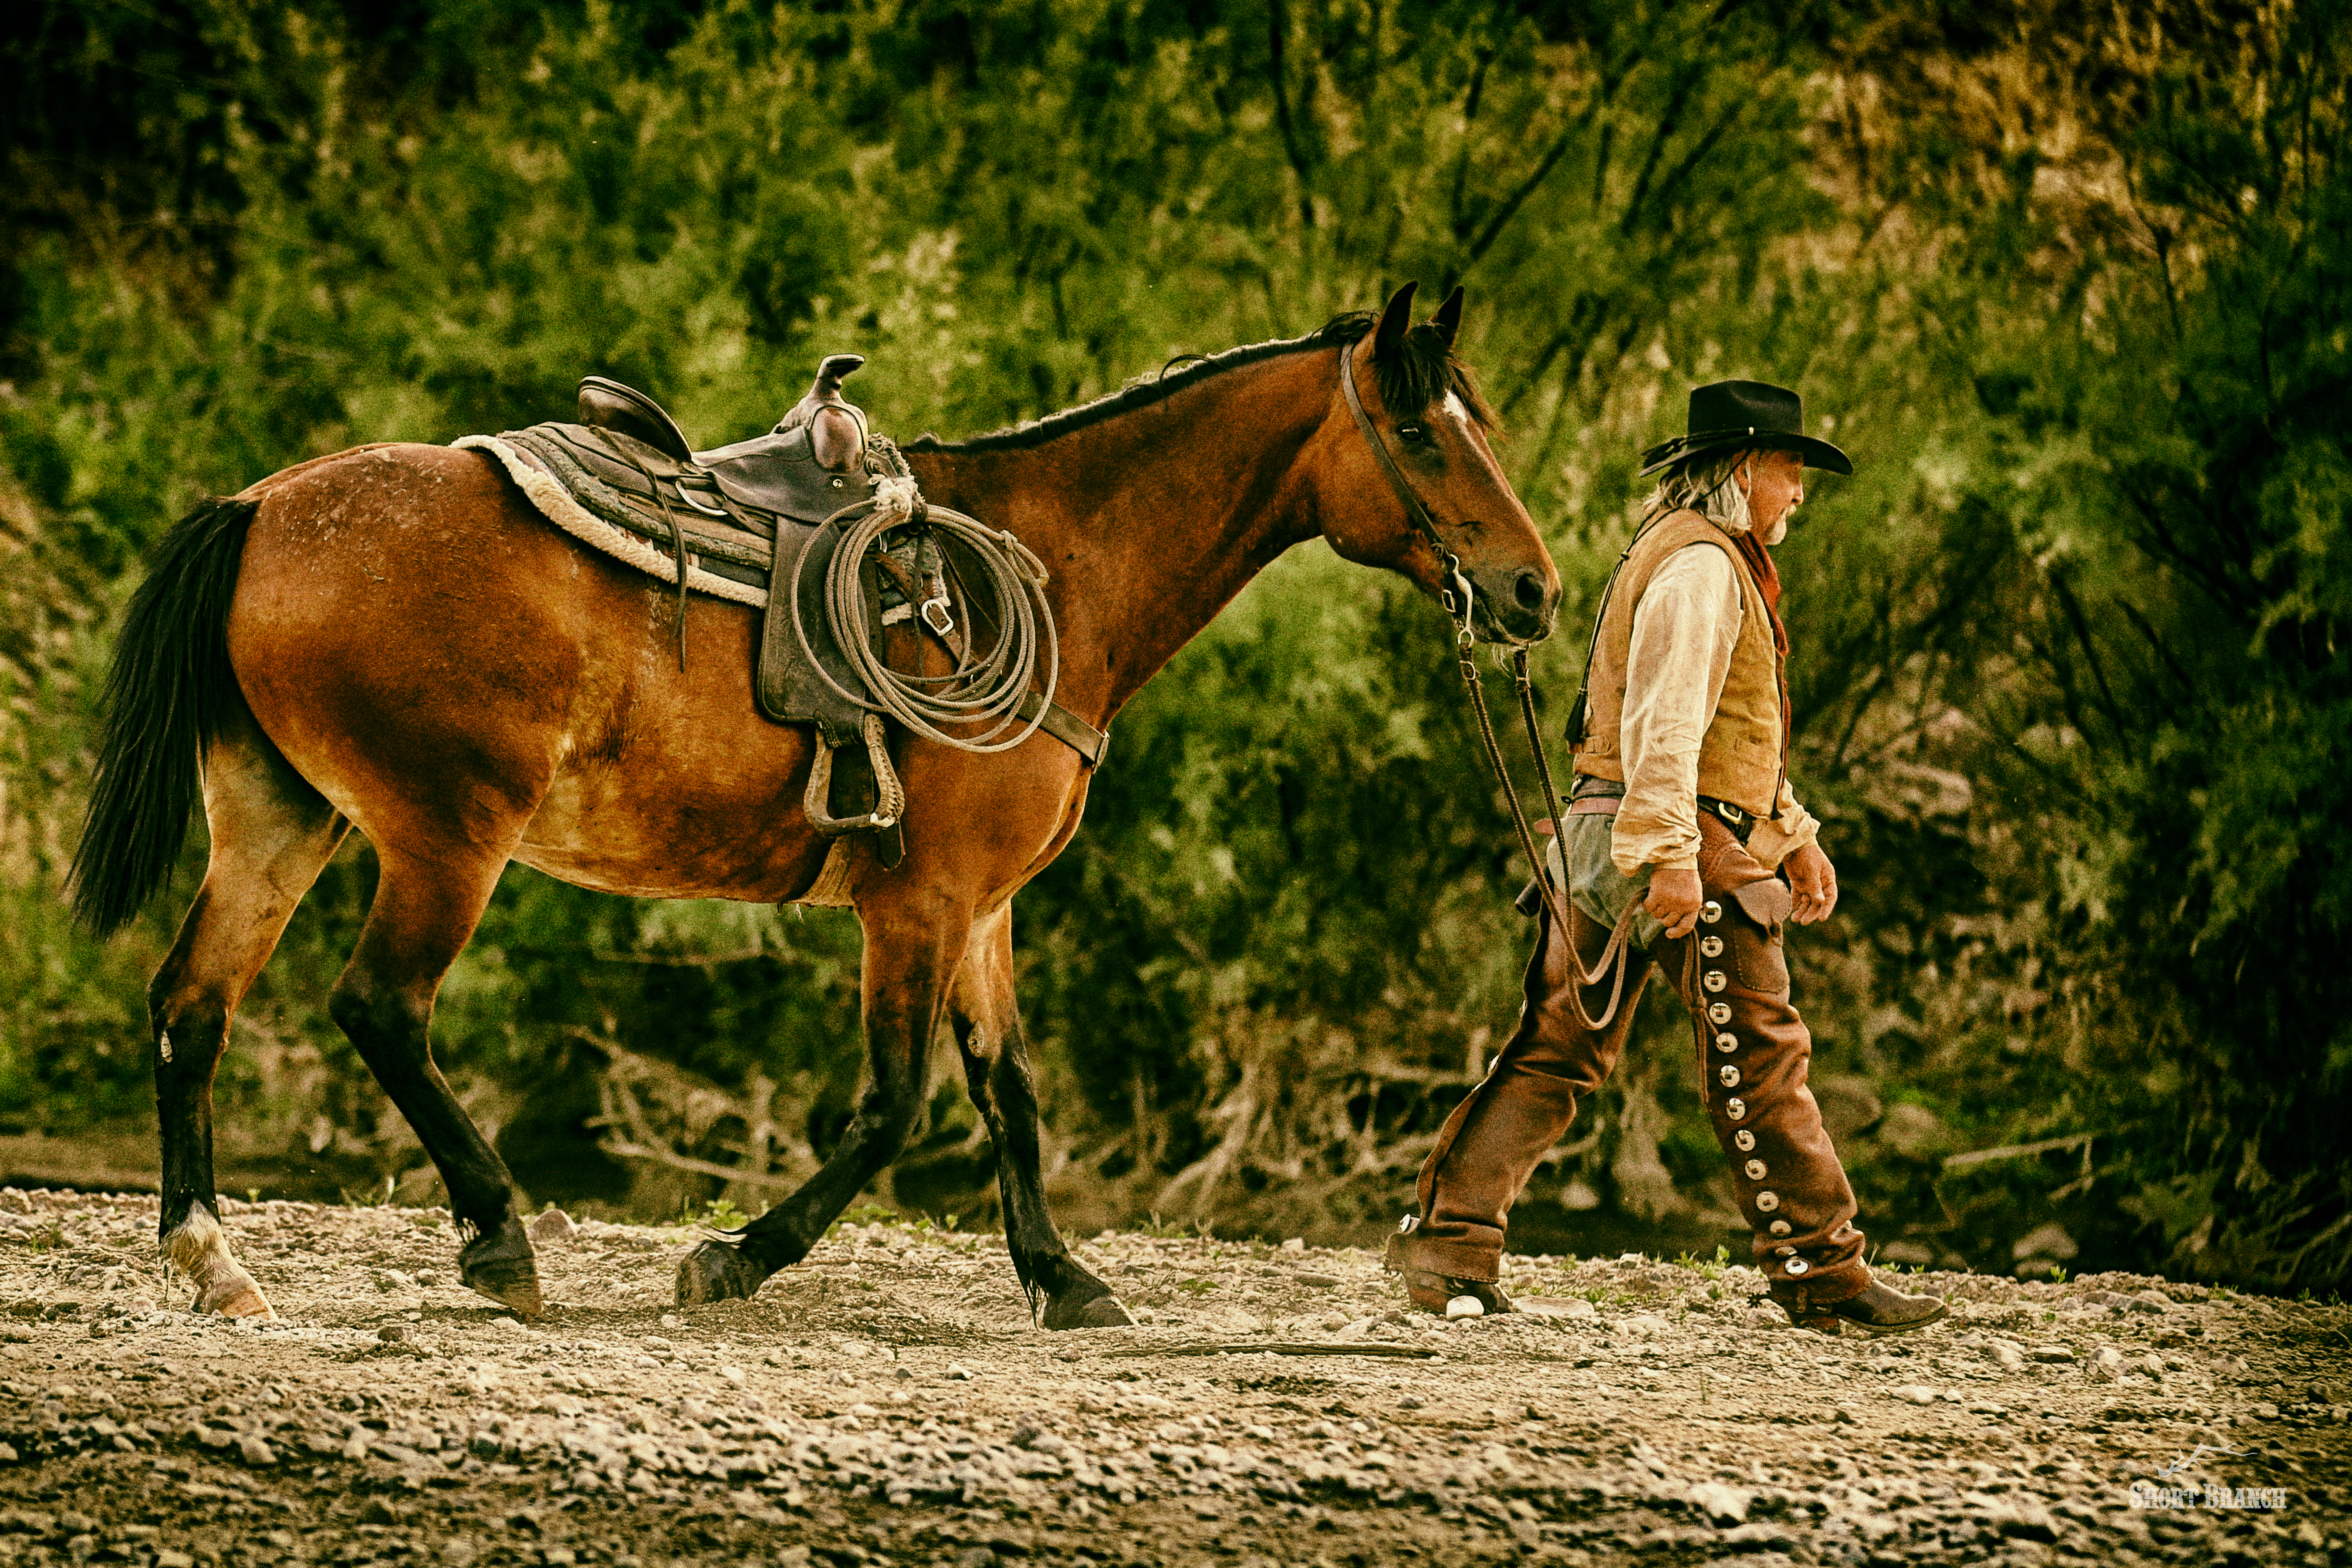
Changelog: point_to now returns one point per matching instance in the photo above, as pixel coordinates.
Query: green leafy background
(2072, 689)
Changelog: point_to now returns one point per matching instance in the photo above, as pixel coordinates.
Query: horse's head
(1410, 483)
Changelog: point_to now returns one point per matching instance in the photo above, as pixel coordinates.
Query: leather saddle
(817, 459)
(754, 513)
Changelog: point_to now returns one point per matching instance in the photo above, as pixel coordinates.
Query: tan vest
(1739, 758)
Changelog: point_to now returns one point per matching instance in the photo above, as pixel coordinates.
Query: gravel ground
(888, 1402)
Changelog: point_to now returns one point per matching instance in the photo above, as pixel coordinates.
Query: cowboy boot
(1878, 1311)
(1438, 1293)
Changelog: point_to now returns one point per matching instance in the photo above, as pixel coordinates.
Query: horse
(391, 639)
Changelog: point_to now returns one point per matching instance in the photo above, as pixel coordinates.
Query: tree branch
(1279, 25)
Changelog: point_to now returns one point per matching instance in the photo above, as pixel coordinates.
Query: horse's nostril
(1529, 590)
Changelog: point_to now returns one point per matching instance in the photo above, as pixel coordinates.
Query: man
(1680, 825)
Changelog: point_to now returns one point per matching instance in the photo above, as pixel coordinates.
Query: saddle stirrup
(817, 802)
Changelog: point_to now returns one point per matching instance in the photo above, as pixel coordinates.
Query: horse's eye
(1410, 434)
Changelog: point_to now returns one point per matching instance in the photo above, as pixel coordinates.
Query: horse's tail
(166, 698)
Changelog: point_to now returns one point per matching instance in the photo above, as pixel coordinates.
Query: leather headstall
(1456, 591)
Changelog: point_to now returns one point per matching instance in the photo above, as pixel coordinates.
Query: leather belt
(1741, 823)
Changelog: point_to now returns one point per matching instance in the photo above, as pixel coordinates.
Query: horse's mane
(1421, 371)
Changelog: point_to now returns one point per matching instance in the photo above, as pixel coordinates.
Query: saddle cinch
(757, 513)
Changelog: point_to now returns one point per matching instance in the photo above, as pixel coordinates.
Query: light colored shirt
(1683, 631)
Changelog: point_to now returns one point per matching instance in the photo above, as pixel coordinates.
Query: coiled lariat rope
(981, 689)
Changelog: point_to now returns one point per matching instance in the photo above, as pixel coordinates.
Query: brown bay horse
(391, 639)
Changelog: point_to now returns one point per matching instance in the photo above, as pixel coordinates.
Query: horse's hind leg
(985, 1013)
(427, 906)
(271, 833)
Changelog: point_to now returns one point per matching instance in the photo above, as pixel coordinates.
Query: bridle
(1456, 595)
(1455, 592)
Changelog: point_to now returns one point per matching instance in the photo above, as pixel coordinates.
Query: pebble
(2052, 1355)
(1726, 1505)
(553, 1225)
(1465, 1307)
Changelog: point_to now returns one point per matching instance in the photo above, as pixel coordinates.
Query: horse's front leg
(986, 1017)
(910, 955)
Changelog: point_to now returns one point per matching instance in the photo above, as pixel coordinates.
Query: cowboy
(1680, 829)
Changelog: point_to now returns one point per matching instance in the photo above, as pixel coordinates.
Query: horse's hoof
(715, 1271)
(198, 1248)
(499, 1264)
(1101, 1311)
(232, 1294)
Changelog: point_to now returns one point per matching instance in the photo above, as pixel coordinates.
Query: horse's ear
(1394, 320)
(1448, 319)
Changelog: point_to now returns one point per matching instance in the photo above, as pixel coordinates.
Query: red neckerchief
(1767, 585)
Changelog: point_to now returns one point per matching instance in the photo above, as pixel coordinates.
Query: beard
(1779, 528)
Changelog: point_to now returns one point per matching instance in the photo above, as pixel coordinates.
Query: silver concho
(1755, 1170)
(1743, 1140)
(1728, 1074)
(1736, 1109)
(1799, 1266)
(1719, 1014)
(1780, 1227)
(1710, 912)
(1714, 980)
(1768, 1202)
(1710, 947)
(1726, 1043)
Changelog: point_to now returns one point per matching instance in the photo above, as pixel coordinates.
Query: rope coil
(983, 691)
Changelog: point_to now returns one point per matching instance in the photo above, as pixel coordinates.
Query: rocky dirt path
(888, 1403)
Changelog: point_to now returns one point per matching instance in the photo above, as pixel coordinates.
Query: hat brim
(1813, 453)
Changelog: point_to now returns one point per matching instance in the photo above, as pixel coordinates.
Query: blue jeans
(1596, 887)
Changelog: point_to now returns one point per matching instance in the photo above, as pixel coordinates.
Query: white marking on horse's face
(1456, 411)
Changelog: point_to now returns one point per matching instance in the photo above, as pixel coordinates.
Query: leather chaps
(1732, 973)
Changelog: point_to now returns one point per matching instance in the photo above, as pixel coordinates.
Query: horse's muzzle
(1520, 604)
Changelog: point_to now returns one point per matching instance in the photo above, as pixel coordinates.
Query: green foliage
(2070, 676)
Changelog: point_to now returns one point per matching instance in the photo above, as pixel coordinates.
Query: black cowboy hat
(1726, 416)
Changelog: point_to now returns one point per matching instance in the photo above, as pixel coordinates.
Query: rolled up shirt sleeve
(1683, 631)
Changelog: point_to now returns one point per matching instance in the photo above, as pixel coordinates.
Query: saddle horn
(836, 426)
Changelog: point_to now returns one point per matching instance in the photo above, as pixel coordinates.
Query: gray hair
(1704, 484)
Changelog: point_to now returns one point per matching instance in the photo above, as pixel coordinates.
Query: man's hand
(1814, 881)
(1675, 898)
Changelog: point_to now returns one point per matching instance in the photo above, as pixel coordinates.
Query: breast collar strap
(1456, 591)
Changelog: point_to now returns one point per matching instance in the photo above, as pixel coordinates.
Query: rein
(1458, 597)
